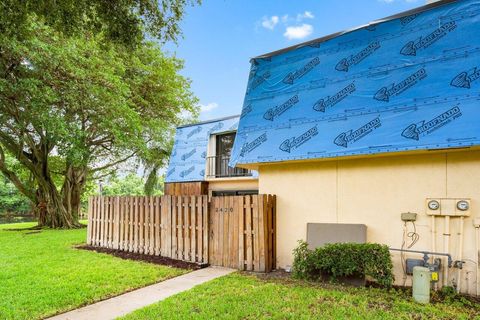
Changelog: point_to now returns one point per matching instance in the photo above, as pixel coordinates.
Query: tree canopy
(88, 101)
(126, 21)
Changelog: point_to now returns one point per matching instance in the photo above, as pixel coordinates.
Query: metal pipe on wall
(446, 246)
(434, 240)
(477, 247)
(460, 255)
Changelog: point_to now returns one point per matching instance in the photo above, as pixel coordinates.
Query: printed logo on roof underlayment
(405, 83)
(188, 160)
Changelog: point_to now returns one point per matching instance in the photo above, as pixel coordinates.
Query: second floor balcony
(217, 167)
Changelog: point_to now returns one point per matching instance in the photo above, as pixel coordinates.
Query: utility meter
(433, 205)
(463, 205)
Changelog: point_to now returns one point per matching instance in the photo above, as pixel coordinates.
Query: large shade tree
(90, 101)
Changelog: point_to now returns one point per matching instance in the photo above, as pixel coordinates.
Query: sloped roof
(406, 83)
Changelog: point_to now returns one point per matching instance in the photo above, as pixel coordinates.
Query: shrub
(344, 259)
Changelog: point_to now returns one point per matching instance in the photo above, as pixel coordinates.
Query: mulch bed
(145, 257)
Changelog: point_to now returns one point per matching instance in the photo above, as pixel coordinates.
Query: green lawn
(240, 296)
(41, 274)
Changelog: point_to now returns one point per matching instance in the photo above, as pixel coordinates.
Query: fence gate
(242, 232)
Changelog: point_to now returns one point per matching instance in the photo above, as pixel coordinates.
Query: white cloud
(305, 15)
(270, 23)
(298, 32)
(208, 107)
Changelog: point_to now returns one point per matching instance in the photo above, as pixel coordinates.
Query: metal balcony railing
(217, 167)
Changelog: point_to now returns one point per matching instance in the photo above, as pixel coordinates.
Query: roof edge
(208, 121)
(337, 34)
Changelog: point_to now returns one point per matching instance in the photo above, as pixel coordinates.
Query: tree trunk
(72, 189)
(51, 211)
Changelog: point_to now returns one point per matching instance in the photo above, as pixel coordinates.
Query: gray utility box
(319, 234)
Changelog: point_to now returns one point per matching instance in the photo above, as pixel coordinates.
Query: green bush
(344, 259)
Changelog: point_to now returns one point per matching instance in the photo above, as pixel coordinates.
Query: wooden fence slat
(212, 224)
(90, 222)
(234, 233)
(94, 220)
(241, 233)
(201, 229)
(149, 226)
(131, 231)
(256, 238)
(186, 229)
(116, 222)
(106, 213)
(206, 229)
(94, 217)
(274, 232)
(226, 234)
(110, 222)
(220, 227)
(125, 223)
(157, 226)
(151, 240)
(164, 250)
(174, 226)
(146, 218)
(248, 232)
(180, 226)
(193, 229)
(261, 232)
(136, 225)
(121, 220)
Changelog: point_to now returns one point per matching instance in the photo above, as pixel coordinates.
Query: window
(234, 193)
(217, 166)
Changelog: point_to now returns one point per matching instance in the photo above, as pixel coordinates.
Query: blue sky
(221, 36)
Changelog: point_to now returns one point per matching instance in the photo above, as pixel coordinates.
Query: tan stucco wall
(232, 184)
(375, 191)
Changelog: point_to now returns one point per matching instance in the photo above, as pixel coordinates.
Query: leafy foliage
(125, 21)
(344, 259)
(91, 103)
(11, 200)
(131, 184)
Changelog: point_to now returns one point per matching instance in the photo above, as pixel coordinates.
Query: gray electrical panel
(411, 263)
(319, 234)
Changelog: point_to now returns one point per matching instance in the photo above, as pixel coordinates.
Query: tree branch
(113, 163)
(10, 175)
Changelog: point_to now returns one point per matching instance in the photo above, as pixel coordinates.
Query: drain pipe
(434, 240)
(476, 224)
(460, 256)
(446, 246)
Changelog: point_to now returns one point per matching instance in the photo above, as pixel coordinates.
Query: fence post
(116, 222)
(90, 221)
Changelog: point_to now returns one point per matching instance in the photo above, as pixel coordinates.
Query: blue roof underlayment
(406, 83)
(189, 154)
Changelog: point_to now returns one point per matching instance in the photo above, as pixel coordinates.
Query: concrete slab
(131, 301)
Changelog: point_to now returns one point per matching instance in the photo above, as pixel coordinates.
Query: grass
(41, 274)
(240, 296)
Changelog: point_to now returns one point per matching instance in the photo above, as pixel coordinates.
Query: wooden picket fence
(231, 231)
(169, 226)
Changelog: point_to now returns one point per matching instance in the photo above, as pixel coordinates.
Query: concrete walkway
(131, 301)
